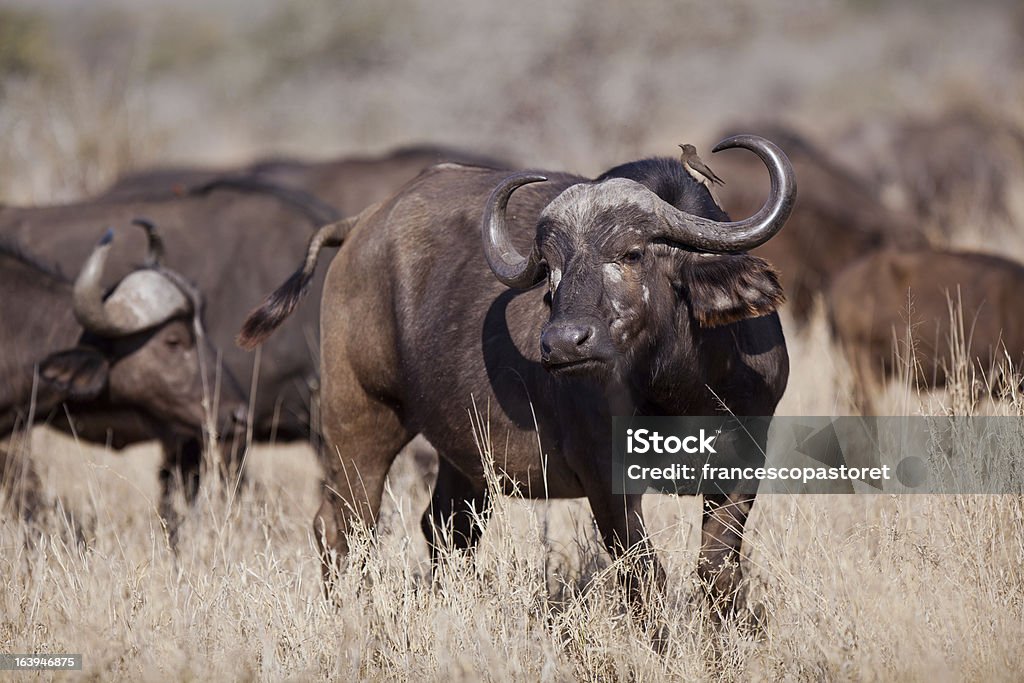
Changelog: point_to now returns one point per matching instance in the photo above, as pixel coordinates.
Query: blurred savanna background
(855, 587)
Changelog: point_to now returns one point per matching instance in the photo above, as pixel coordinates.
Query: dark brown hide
(348, 183)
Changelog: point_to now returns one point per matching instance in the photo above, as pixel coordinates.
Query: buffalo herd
(462, 280)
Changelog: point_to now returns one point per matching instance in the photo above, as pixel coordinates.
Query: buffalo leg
(721, 540)
(620, 519)
(20, 486)
(725, 514)
(457, 510)
(359, 447)
(181, 462)
(867, 384)
(232, 452)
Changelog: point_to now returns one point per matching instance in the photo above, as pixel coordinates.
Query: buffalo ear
(77, 374)
(726, 288)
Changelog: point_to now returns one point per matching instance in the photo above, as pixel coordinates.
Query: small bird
(697, 168)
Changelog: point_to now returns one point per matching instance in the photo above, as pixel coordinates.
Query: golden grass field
(873, 588)
(866, 587)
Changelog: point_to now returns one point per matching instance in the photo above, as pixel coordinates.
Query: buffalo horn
(509, 266)
(708, 235)
(143, 299)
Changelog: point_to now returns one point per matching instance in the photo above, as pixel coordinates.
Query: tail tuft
(280, 304)
(269, 316)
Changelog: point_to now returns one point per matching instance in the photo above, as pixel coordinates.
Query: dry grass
(856, 587)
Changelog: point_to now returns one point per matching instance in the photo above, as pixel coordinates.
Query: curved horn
(87, 293)
(709, 235)
(509, 266)
(154, 244)
(143, 299)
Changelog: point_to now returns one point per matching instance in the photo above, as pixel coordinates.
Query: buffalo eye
(174, 340)
(633, 256)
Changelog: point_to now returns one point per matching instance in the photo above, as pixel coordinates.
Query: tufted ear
(724, 288)
(76, 374)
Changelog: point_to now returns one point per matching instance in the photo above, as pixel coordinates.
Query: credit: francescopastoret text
(728, 454)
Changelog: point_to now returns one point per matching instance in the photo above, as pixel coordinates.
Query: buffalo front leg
(458, 509)
(620, 520)
(721, 539)
(868, 381)
(182, 458)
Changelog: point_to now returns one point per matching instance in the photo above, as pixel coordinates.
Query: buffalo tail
(283, 300)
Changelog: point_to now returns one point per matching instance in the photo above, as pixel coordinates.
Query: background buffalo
(200, 211)
(931, 314)
(958, 170)
(120, 365)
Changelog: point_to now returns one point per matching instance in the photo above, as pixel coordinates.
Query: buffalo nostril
(580, 335)
(567, 341)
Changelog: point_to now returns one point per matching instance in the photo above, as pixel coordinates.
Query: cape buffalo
(651, 307)
(946, 304)
(226, 243)
(136, 356)
(837, 218)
